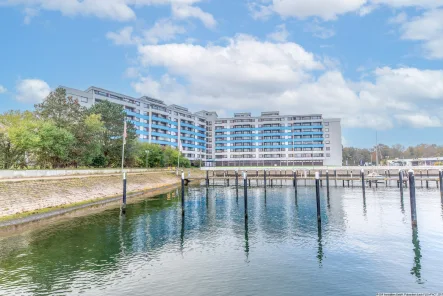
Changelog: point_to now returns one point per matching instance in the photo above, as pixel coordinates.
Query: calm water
(364, 247)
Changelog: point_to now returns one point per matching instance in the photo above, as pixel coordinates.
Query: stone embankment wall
(25, 196)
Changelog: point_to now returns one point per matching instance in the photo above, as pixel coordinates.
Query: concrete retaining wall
(11, 174)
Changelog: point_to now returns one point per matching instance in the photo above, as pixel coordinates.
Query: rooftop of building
(202, 113)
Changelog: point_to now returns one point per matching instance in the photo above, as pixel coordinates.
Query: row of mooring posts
(411, 178)
(318, 185)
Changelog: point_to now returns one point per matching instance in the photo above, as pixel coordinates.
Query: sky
(376, 64)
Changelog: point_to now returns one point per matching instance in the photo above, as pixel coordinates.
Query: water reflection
(281, 234)
(320, 246)
(402, 204)
(182, 234)
(246, 240)
(364, 205)
(416, 269)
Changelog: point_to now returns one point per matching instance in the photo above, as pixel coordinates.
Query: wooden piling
(123, 209)
(363, 182)
(412, 198)
(245, 185)
(335, 177)
(295, 183)
(440, 177)
(400, 182)
(183, 193)
(327, 183)
(317, 194)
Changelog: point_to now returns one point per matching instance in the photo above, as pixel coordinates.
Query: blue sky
(377, 64)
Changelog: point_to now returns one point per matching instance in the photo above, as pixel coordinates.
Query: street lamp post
(293, 144)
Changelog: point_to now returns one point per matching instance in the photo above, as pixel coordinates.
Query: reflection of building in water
(153, 226)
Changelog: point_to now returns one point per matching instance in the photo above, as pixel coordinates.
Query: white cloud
(319, 31)
(30, 13)
(248, 74)
(410, 3)
(419, 120)
(123, 37)
(2, 89)
(325, 9)
(398, 19)
(132, 72)
(110, 9)
(259, 11)
(243, 63)
(163, 30)
(330, 9)
(188, 11)
(119, 10)
(280, 34)
(32, 90)
(427, 28)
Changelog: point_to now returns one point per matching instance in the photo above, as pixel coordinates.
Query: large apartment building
(272, 139)
(243, 140)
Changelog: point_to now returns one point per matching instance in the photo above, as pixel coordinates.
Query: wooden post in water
(245, 185)
(264, 178)
(295, 182)
(412, 198)
(421, 178)
(327, 183)
(207, 178)
(321, 180)
(400, 182)
(124, 194)
(183, 193)
(440, 177)
(363, 182)
(317, 194)
(335, 176)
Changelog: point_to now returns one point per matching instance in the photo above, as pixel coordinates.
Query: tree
(54, 145)
(88, 142)
(64, 111)
(113, 117)
(153, 155)
(18, 135)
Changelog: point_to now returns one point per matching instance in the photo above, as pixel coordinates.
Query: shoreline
(25, 201)
(35, 220)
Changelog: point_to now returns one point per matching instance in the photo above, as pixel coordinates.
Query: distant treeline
(355, 155)
(60, 133)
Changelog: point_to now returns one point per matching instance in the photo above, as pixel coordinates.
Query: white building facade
(243, 140)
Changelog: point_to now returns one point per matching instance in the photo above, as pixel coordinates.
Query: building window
(326, 123)
(328, 142)
(326, 130)
(326, 135)
(328, 154)
(328, 148)
(83, 99)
